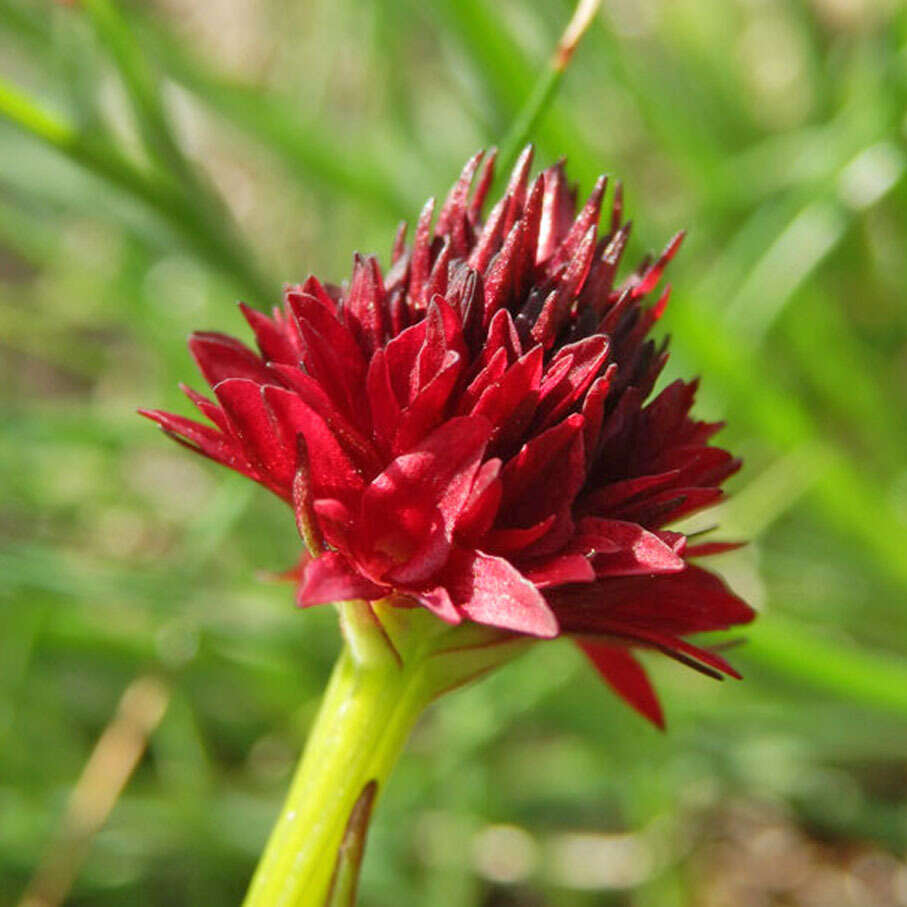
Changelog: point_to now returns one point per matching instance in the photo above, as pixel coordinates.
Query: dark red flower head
(469, 431)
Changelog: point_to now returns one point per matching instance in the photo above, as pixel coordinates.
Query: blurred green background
(159, 160)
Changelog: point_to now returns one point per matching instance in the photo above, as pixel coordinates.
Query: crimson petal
(626, 676)
(490, 590)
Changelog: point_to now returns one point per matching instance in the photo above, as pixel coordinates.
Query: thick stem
(394, 662)
(365, 718)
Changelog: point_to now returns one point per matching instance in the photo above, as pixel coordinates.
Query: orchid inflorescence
(469, 431)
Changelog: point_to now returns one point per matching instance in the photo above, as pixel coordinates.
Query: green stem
(395, 661)
(364, 721)
(547, 83)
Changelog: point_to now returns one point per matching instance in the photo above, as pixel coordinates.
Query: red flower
(470, 432)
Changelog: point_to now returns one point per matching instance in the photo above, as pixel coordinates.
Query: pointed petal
(676, 604)
(709, 549)
(587, 357)
(624, 674)
(544, 477)
(331, 578)
(560, 570)
(428, 406)
(219, 357)
(274, 344)
(439, 473)
(334, 474)
(330, 351)
(438, 602)
(251, 423)
(421, 257)
(209, 410)
(481, 508)
(365, 305)
(490, 590)
(617, 548)
(204, 440)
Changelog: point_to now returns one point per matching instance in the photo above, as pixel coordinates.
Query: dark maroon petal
(594, 411)
(664, 416)
(490, 239)
(440, 271)
(586, 221)
(408, 512)
(667, 506)
(329, 350)
(558, 207)
(544, 476)
(331, 578)
(502, 334)
(408, 555)
(336, 522)
(316, 289)
(697, 465)
(653, 274)
(401, 354)
(516, 187)
(606, 500)
(587, 357)
(453, 218)
(488, 375)
(532, 218)
(506, 541)
(398, 250)
(484, 184)
(438, 473)
(442, 334)
(704, 660)
(624, 674)
(490, 590)
(677, 604)
(313, 395)
(500, 275)
(220, 357)
(481, 508)
(554, 314)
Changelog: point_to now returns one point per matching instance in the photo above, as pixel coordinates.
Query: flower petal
(331, 578)
(618, 548)
(490, 590)
(219, 357)
(334, 475)
(626, 676)
(559, 570)
(251, 423)
(409, 511)
(438, 602)
(693, 601)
